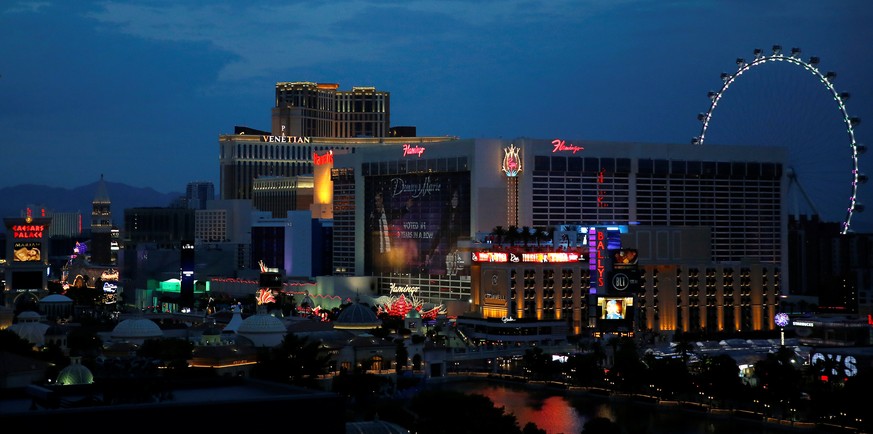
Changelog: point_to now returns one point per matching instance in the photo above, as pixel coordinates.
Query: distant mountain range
(15, 199)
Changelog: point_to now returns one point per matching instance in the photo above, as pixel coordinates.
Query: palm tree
(499, 232)
(512, 234)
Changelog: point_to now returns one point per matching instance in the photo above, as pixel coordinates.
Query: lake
(565, 412)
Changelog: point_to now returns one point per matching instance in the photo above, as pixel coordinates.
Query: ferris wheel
(776, 108)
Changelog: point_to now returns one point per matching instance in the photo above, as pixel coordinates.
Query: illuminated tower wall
(101, 226)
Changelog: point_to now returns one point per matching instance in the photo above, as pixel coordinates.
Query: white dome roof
(262, 323)
(28, 316)
(263, 330)
(357, 316)
(56, 298)
(32, 331)
(137, 328)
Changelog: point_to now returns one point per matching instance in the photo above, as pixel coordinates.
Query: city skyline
(92, 87)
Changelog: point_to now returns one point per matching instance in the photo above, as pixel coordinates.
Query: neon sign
(405, 289)
(27, 231)
(551, 257)
(412, 150)
(556, 257)
(839, 365)
(601, 194)
(511, 161)
(320, 160)
(561, 145)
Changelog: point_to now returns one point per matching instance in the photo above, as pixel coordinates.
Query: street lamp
(781, 320)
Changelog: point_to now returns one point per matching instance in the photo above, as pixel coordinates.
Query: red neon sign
(561, 145)
(319, 160)
(412, 150)
(601, 194)
(601, 255)
(27, 231)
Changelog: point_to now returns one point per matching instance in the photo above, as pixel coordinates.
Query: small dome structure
(75, 373)
(56, 298)
(357, 316)
(263, 329)
(28, 327)
(137, 329)
(56, 306)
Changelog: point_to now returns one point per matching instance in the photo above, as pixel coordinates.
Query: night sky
(140, 90)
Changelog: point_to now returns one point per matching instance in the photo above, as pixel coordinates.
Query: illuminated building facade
(101, 226)
(280, 195)
(735, 199)
(307, 109)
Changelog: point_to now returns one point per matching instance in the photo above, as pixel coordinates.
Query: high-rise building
(306, 109)
(101, 225)
(280, 195)
(309, 121)
(197, 193)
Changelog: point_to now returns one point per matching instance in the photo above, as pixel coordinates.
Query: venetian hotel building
(707, 221)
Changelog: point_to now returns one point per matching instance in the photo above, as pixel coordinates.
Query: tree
(683, 346)
(447, 411)
(173, 353)
(720, 377)
(512, 235)
(297, 361)
(401, 356)
(778, 378)
(499, 232)
(12, 343)
(628, 370)
(601, 425)
(532, 428)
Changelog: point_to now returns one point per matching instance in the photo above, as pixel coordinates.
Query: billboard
(27, 251)
(414, 221)
(615, 308)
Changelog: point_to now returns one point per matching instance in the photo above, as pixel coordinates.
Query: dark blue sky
(141, 90)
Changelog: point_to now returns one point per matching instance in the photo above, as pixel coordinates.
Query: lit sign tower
(27, 257)
(512, 168)
(186, 292)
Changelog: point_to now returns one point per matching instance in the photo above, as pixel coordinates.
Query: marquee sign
(554, 257)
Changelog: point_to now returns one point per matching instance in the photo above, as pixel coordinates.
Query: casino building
(707, 222)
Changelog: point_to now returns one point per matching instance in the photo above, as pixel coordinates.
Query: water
(563, 412)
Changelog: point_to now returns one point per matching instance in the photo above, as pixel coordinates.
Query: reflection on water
(561, 412)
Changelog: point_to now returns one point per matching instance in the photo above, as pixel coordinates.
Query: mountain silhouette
(15, 199)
